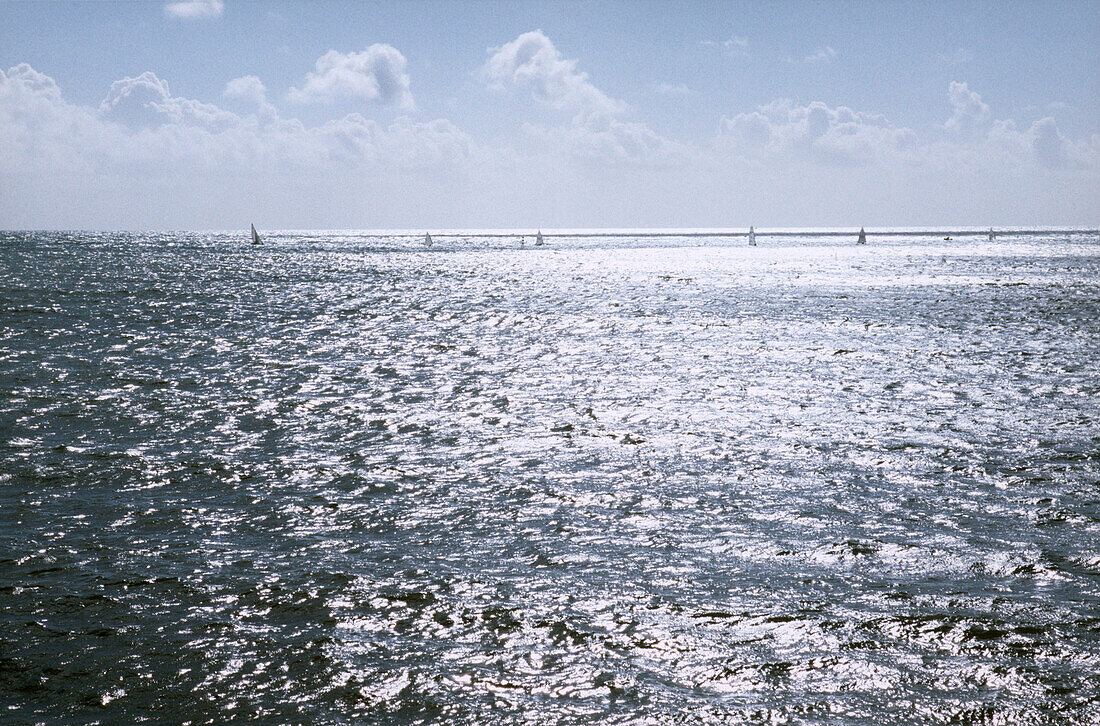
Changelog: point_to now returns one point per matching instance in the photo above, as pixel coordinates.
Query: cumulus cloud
(141, 125)
(1048, 144)
(977, 142)
(146, 101)
(376, 75)
(22, 81)
(251, 92)
(248, 88)
(816, 131)
(39, 129)
(1053, 150)
(969, 113)
(194, 9)
(531, 61)
(595, 134)
(137, 101)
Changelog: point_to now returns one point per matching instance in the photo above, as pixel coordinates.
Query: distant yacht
(427, 239)
(991, 235)
(255, 235)
(538, 238)
(752, 237)
(862, 237)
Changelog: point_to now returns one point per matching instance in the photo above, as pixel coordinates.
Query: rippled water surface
(346, 479)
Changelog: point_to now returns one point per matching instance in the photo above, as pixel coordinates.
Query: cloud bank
(814, 132)
(145, 156)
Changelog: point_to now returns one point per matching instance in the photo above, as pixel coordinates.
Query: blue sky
(507, 114)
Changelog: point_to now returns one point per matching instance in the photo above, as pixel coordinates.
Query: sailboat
(255, 235)
(991, 235)
(862, 237)
(538, 238)
(427, 239)
(752, 237)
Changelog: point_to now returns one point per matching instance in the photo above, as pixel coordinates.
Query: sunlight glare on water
(342, 478)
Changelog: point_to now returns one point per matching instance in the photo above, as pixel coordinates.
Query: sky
(210, 114)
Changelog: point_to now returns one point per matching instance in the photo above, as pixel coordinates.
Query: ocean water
(341, 478)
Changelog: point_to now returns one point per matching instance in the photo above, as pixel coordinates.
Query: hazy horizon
(967, 230)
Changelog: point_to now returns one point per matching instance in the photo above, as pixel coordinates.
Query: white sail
(538, 238)
(752, 237)
(427, 239)
(255, 235)
(862, 237)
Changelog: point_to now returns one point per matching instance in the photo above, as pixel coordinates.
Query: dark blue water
(344, 479)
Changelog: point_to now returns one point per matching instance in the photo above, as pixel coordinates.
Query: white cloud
(735, 45)
(531, 61)
(146, 101)
(815, 132)
(404, 144)
(595, 135)
(969, 112)
(603, 139)
(194, 9)
(1053, 150)
(248, 88)
(376, 75)
(38, 129)
(29, 83)
(785, 132)
(823, 55)
(144, 155)
(141, 125)
(959, 57)
(1048, 145)
(251, 92)
(998, 147)
(737, 42)
(672, 89)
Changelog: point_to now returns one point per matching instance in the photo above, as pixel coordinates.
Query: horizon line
(599, 231)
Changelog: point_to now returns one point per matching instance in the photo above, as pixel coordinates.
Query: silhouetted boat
(752, 237)
(255, 235)
(862, 237)
(427, 239)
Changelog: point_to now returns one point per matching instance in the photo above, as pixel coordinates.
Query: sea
(617, 478)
